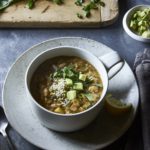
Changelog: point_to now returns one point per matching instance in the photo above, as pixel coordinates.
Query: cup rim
(59, 114)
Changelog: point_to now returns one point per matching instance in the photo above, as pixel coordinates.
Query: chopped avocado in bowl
(140, 22)
(136, 23)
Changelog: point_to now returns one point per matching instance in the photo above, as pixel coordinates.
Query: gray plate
(103, 131)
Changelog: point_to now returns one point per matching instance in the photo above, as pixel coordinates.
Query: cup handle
(110, 60)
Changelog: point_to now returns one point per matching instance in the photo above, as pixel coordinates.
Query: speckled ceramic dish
(103, 131)
(76, 121)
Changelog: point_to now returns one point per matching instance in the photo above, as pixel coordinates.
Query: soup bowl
(72, 122)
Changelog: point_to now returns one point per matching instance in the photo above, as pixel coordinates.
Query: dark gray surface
(14, 42)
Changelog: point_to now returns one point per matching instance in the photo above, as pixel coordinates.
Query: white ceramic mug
(72, 122)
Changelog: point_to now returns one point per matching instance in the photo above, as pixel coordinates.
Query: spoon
(3, 128)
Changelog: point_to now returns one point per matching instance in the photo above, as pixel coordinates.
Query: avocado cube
(71, 94)
(68, 81)
(146, 34)
(78, 86)
(82, 77)
(133, 25)
(141, 14)
(58, 110)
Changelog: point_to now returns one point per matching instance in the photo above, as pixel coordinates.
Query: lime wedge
(115, 106)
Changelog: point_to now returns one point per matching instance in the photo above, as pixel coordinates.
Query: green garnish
(59, 2)
(87, 13)
(93, 4)
(79, 16)
(30, 3)
(79, 2)
(66, 72)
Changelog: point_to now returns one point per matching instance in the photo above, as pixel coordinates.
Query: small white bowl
(127, 18)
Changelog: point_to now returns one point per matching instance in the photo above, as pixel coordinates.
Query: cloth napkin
(138, 137)
(139, 134)
(142, 71)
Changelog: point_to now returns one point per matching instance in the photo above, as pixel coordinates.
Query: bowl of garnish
(136, 23)
(66, 86)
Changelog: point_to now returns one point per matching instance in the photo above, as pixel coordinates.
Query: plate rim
(55, 39)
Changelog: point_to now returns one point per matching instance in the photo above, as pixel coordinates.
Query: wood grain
(48, 14)
(109, 13)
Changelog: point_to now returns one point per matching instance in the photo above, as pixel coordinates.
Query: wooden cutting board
(48, 14)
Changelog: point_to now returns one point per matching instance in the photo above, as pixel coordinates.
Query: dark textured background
(14, 42)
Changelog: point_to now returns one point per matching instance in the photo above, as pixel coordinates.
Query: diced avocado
(133, 25)
(82, 77)
(146, 34)
(78, 86)
(68, 81)
(71, 94)
(140, 23)
(135, 15)
(58, 110)
(141, 13)
(142, 28)
(146, 24)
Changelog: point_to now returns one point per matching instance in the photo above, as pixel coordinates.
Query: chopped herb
(87, 7)
(66, 72)
(30, 3)
(88, 81)
(93, 4)
(79, 16)
(99, 85)
(87, 14)
(79, 2)
(59, 2)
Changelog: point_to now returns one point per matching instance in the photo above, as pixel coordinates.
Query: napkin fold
(142, 71)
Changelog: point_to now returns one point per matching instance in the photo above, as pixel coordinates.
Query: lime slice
(115, 106)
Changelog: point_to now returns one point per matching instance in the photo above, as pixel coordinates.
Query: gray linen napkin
(138, 137)
(142, 71)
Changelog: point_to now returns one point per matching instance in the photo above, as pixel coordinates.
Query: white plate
(103, 131)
